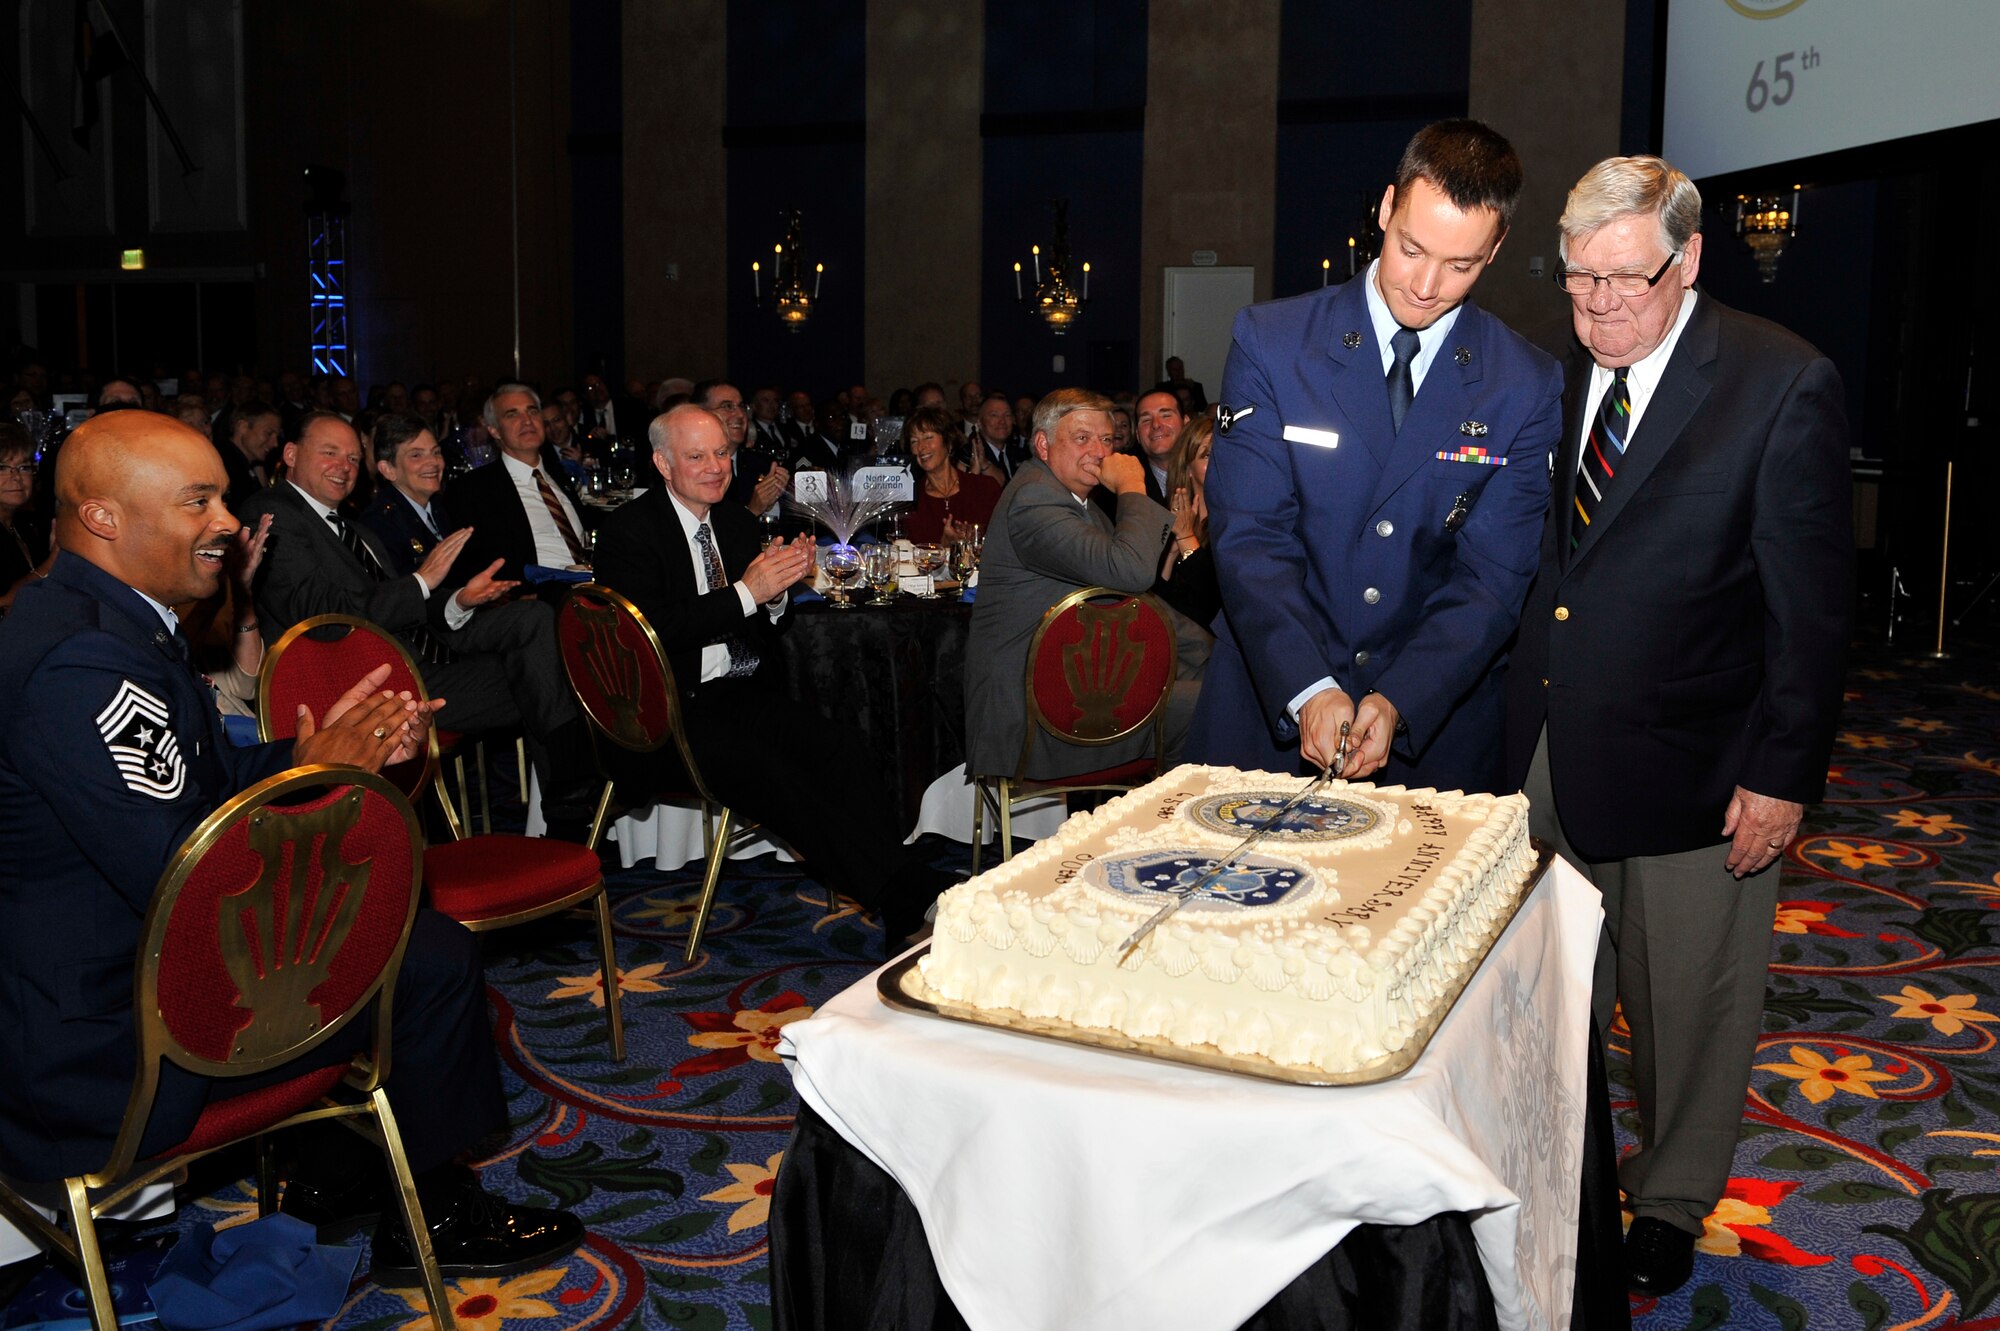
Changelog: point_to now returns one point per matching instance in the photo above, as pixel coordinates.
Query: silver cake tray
(902, 987)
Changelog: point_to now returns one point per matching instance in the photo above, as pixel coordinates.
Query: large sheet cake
(1328, 948)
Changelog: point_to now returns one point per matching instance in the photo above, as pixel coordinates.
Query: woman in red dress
(950, 500)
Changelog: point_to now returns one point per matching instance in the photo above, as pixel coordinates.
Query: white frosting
(1342, 971)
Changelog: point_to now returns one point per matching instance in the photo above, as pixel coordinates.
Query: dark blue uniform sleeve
(128, 763)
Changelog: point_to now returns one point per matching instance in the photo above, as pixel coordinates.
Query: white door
(1199, 309)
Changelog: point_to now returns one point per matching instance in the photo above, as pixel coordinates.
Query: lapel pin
(1459, 508)
(1475, 429)
(1462, 356)
(1226, 417)
(1350, 340)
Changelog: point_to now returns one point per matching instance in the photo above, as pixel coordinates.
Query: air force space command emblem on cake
(139, 736)
(1321, 818)
(1153, 875)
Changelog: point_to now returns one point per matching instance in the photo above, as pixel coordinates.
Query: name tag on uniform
(1299, 434)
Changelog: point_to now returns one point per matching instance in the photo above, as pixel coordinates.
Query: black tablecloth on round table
(896, 673)
(848, 1252)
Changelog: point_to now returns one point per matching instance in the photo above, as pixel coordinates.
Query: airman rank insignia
(1226, 417)
(1350, 340)
(139, 735)
(1473, 454)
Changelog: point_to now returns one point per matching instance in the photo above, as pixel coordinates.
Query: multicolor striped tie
(743, 658)
(1603, 454)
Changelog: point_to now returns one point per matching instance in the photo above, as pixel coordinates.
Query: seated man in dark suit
(494, 661)
(1046, 541)
(520, 507)
(405, 512)
(691, 563)
(111, 752)
(757, 478)
(998, 447)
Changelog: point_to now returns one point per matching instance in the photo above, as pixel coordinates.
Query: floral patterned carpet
(1865, 1194)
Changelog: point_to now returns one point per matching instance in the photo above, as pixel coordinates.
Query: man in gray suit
(494, 662)
(1047, 540)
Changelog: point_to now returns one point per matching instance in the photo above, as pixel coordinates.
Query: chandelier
(1054, 299)
(1767, 226)
(788, 269)
(1363, 244)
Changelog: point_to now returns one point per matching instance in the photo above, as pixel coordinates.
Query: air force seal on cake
(1321, 818)
(140, 738)
(1151, 876)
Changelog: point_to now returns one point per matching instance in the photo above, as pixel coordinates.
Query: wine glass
(964, 560)
(878, 566)
(842, 565)
(930, 558)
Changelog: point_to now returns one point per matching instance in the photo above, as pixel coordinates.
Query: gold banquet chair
(623, 683)
(1100, 668)
(281, 918)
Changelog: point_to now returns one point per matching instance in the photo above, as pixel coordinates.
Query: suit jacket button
(1361, 658)
(1385, 528)
(1372, 595)
(1562, 612)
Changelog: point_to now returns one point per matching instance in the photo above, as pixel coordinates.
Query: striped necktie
(428, 648)
(576, 554)
(1603, 453)
(743, 658)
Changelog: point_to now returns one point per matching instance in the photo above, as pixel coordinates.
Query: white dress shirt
(715, 656)
(551, 550)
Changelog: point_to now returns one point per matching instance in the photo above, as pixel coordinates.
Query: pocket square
(1299, 434)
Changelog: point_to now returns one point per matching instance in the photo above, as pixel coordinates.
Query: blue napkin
(52, 1301)
(268, 1273)
(543, 573)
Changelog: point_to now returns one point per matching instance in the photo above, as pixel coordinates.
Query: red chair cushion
(487, 877)
(316, 672)
(239, 1116)
(1135, 773)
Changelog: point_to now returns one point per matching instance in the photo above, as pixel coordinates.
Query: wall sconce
(788, 268)
(1054, 300)
(1767, 226)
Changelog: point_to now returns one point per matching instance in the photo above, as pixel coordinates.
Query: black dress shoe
(1659, 1257)
(339, 1205)
(474, 1233)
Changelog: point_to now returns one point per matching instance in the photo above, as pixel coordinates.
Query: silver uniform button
(1361, 658)
(1371, 596)
(1385, 528)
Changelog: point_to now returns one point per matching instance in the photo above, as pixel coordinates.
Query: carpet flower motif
(733, 1038)
(1808, 917)
(752, 1189)
(1739, 1225)
(1853, 740)
(1818, 1079)
(1948, 1014)
(1930, 824)
(1924, 725)
(1858, 854)
(638, 980)
(483, 1304)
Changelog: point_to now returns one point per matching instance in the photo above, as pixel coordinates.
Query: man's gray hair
(1051, 409)
(656, 433)
(1626, 186)
(491, 412)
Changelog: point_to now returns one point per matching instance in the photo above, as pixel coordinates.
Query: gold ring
(1775, 845)
(381, 732)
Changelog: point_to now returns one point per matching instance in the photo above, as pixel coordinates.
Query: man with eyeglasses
(1377, 485)
(1678, 674)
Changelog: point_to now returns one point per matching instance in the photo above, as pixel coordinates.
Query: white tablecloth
(1064, 1188)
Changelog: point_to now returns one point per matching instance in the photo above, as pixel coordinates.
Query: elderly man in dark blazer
(1678, 674)
(1047, 540)
(691, 561)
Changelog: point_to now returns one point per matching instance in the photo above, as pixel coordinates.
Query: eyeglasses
(1581, 282)
(18, 468)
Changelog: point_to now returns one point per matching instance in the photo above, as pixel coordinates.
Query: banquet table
(945, 1175)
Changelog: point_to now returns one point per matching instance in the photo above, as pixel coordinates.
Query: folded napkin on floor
(268, 1273)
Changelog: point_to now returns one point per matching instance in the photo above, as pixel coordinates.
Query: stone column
(924, 162)
(1548, 74)
(1210, 173)
(676, 187)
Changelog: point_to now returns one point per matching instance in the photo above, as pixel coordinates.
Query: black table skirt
(896, 673)
(848, 1252)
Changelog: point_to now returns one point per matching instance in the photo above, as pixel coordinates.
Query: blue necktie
(1402, 385)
